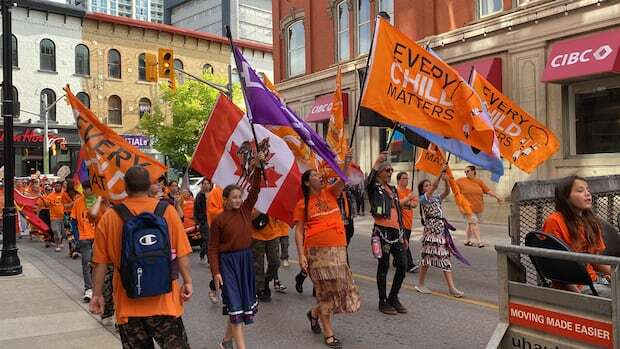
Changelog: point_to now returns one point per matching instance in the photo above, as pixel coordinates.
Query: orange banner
(108, 155)
(410, 85)
(335, 130)
(522, 139)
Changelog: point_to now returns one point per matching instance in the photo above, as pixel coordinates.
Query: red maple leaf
(270, 175)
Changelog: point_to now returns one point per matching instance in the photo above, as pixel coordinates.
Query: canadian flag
(224, 152)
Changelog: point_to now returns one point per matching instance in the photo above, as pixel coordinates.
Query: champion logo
(148, 240)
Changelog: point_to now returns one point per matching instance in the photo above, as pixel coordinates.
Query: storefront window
(597, 121)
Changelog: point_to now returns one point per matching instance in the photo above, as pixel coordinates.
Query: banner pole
(389, 142)
(415, 156)
(359, 101)
(242, 80)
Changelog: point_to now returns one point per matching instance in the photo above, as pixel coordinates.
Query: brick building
(526, 48)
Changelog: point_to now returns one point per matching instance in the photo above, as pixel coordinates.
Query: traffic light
(151, 67)
(166, 63)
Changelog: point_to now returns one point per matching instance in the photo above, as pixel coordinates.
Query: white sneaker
(203, 261)
(456, 293)
(285, 263)
(58, 249)
(423, 290)
(108, 321)
(213, 297)
(88, 295)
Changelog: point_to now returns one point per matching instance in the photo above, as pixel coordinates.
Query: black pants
(204, 232)
(397, 250)
(167, 331)
(407, 236)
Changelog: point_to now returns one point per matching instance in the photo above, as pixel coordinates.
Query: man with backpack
(143, 238)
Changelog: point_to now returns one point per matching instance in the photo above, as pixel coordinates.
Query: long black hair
(575, 218)
(421, 192)
(305, 189)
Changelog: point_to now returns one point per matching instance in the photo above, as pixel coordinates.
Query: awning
(489, 68)
(584, 56)
(321, 109)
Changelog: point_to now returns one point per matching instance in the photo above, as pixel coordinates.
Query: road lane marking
(409, 287)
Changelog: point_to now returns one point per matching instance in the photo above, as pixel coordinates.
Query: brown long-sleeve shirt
(232, 230)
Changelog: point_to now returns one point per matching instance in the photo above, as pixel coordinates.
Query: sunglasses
(389, 170)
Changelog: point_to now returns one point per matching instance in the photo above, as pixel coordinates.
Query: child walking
(230, 254)
(437, 245)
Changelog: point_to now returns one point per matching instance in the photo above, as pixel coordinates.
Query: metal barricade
(531, 316)
(533, 201)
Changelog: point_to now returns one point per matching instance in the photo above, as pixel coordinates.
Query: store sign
(562, 325)
(322, 108)
(581, 57)
(138, 141)
(30, 136)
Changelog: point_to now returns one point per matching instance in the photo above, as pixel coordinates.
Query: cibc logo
(581, 56)
(148, 240)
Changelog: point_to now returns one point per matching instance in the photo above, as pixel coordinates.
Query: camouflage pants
(167, 331)
(108, 309)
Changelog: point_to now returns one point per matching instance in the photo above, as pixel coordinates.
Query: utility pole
(9, 260)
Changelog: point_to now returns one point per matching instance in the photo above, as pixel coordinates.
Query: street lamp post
(9, 260)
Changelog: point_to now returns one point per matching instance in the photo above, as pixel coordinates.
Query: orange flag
(522, 139)
(431, 161)
(108, 155)
(304, 156)
(411, 86)
(335, 130)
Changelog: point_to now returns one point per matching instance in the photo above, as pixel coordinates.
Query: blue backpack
(145, 252)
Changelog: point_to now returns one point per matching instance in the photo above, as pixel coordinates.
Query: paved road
(434, 321)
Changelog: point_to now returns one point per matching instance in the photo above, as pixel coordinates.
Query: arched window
(180, 77)
(363, 26)
(142, 67)
(13, 50)
(84, 98)
(47, 55)
(82, 60)
(115, 112)
(207, 68)
(387, 6)
(343, 31)
(296, 51)
(48, 97)
(15, 99)
(144, 106)
(114, 64)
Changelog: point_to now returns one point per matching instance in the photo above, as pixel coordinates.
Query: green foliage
(176, 126)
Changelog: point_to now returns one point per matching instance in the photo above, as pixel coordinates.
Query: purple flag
(266, 109)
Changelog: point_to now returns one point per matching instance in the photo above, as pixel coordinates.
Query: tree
(176, 125)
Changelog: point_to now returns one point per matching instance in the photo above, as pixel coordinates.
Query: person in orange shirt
(574, 223)
(408, 201)
(85, 211)
(57, 201)
(142, 320)
(266, 243)
(474, 189)
(322, 248)
(215, 206)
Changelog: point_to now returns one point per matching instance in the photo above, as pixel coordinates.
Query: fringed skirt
(239, 290)
(435, 251)
(335, 290)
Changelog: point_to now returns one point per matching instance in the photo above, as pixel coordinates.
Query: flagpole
(242, 80)
(387, 147)
(415, 156)
(359, 101)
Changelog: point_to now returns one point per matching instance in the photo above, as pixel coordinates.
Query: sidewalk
(42, 308)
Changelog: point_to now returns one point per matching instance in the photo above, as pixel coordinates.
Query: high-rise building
(146, 10)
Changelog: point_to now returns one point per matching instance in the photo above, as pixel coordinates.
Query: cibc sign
(582, 57)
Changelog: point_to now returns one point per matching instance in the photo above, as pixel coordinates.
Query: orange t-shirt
(86, 226)
(188, 213)
(324, 227)
(56, 202)
(273, 230)
(473, 190)
(555, 224)
(215, 203)
(403, 193)
(107, 250)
